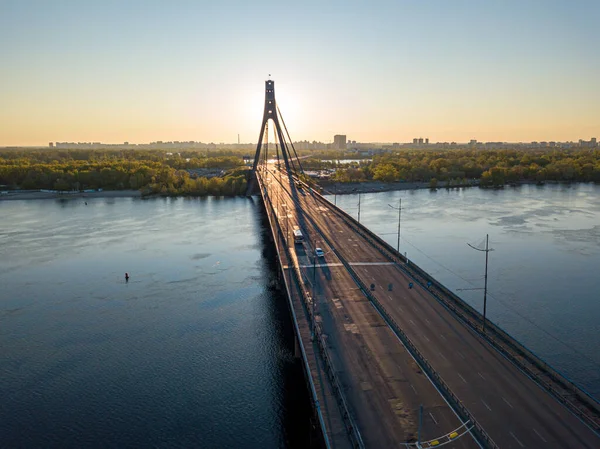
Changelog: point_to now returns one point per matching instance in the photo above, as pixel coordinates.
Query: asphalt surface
(384, 385)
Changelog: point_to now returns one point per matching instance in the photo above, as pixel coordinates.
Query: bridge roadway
(384, 385)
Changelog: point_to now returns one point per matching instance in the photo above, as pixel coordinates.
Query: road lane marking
(541, 437)
(361, 264)
(509, 404)
(426, 337)
(401, 309)
(463, 379)
(434, 420)
(480, 375)
(412, 322)
(427, 321)
(443, 356)
(516, 439)
(411, 386)
(442, 335)
(460, 354)
(415, 309)
(488, 407)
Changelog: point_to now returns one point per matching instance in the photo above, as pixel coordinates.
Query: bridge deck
(382, 384)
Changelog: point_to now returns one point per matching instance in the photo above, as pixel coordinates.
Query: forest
(457, 167)
(152, 172)
(224, 172)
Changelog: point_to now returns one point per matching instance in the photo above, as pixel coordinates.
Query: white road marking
(442, 335)
(443, 356)
(434, 420)
(488, 407)
(359, 264)
(460, 354)
(428, 322)
(411, 386)
(510, 405)
(322, 265)
(412, 322)
(541, 437)
(463, 379)
(426, 338)
(480, 375)
(516, 439)
(401, 309)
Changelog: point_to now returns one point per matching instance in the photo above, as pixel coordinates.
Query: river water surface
(196, 349)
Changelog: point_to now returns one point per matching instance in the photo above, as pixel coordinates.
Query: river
(196, 350)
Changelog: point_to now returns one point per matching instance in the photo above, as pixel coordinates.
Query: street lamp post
(335, 194)
(486, 250)
(399, 218)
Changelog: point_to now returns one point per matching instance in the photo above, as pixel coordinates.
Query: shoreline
(37, 195)
(327, 189)
(378, 186)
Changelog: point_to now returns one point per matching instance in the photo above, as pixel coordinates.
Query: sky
(377, 71)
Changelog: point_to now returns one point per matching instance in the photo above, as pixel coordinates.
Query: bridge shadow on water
(299, 428)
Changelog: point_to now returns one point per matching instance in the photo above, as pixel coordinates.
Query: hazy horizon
(387, 71)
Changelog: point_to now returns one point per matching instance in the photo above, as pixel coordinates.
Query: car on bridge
(319, 252)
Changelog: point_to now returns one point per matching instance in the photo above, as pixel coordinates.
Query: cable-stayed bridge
(392, 358)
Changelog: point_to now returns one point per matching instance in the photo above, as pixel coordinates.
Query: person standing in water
(126, 277)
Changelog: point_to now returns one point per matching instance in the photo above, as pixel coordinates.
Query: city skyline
(383, 72)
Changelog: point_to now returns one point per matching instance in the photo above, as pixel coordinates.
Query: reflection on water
(543, 273)
(194, 351)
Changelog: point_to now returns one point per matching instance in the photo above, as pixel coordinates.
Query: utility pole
(399, 218)
(420, 424)
(335, 194)
(486, 250)
(314, 296)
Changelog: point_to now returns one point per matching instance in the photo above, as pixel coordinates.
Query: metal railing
(351, 427)
(482, 436)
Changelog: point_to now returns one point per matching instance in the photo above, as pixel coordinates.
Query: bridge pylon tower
(271, 112)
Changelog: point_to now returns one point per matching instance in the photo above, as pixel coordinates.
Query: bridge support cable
(290, 140)
(565, 391)
(293, 268)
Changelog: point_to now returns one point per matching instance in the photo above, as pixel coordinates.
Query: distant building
(51, 144)
(415, 141)
(420, 141)
(339, 142)
(427, 141)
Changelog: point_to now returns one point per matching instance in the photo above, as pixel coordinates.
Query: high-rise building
(415, 141)
(427, 141)
(339, 141)
(51, 144)
(420, 141)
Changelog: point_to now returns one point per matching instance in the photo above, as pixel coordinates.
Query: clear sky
(386, 71)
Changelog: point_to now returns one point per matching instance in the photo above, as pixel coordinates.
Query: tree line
(152, 172)
(491, 168)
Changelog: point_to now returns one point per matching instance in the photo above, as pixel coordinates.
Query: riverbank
(346, 188)
(37, 195)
